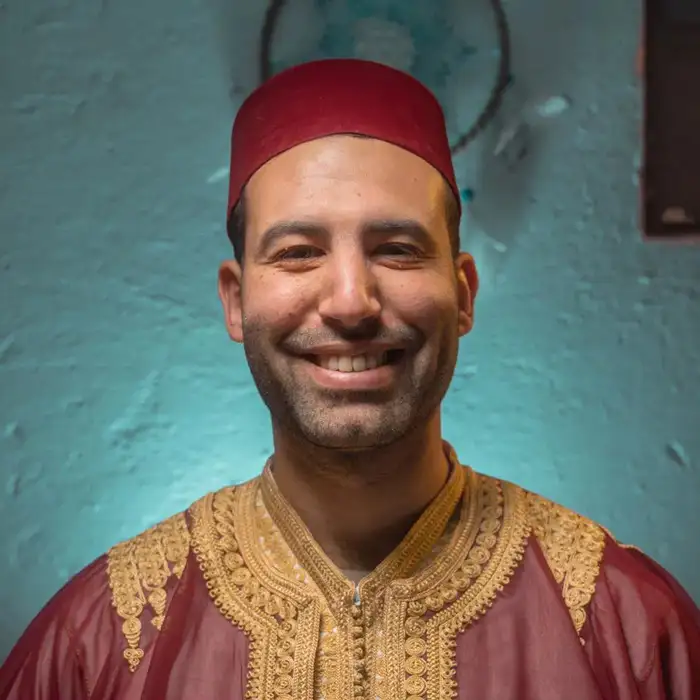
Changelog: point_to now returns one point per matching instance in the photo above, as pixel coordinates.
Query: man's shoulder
(563, 534)
(588, 561)
(559, 530)
(572, 546)
(162, 550)
(126, 579)
(152, 555)
(158, 554)
(134, 582)
(142, 572)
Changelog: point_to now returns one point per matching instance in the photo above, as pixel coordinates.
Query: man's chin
(356, 435)
(355, 444)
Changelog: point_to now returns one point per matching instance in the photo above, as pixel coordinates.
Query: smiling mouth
(356, 363)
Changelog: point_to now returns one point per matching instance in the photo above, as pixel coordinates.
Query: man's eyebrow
(283, 229)
(382, 227)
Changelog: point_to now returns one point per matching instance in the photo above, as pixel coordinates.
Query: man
(365, 561)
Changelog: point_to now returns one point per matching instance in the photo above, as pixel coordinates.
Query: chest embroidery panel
(394, 645)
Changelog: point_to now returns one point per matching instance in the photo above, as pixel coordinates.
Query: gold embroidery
(412, 551)
(364, 640)
(492, 545)
(311, 638)
(138, 572)
(278, 555)
(310, 635)
(281, 622)
(573, 547)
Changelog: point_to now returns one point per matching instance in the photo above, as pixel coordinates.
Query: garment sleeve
(674, 668)
(645, 630)
(47, 663)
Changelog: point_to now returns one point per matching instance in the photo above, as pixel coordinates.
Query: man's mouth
(356, 363)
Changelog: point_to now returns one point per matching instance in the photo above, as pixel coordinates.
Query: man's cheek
(426, 310)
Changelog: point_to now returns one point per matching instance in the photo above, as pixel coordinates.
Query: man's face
(350, 303)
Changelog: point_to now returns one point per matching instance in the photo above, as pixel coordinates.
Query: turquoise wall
(121, 399)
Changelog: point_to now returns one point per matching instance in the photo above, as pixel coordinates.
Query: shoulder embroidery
(573, 547)
(138, 572)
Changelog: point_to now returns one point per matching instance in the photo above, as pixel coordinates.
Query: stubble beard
(352, 422)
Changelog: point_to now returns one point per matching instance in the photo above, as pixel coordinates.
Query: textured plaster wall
(121, 400)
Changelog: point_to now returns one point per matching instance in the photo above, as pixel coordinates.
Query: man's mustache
(302, 342)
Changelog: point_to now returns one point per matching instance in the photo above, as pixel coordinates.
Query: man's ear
(230, 285)
(467, 288)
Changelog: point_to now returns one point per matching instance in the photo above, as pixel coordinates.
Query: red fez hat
(337, 96)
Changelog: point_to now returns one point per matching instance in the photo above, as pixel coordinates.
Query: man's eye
(297, 252)
(402, 249)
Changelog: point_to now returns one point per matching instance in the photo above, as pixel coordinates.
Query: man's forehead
(345, 194)
(347, 157)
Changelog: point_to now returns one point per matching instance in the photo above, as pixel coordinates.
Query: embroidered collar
(403, 562)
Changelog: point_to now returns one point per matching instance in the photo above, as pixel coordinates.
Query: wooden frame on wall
(670, 174)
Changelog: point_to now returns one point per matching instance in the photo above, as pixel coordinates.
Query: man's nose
(351, 298)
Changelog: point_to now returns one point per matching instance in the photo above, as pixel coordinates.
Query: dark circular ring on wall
(503, 77)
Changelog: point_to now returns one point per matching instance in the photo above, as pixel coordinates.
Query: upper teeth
(351, 363)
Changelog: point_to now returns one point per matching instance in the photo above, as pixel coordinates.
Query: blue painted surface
(438, 48)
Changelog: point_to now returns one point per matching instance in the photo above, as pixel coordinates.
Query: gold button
(415, 646)
(415, 626)
(414, 666)
(233, 561)
(415, 685)
(417, 608)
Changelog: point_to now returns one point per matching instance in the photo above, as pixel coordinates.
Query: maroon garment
(639, 636)
(642, 638)
(73, 649)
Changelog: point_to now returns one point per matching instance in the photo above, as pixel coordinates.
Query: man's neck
(359, 506)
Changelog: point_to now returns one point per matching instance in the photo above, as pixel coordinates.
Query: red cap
(337, 96)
